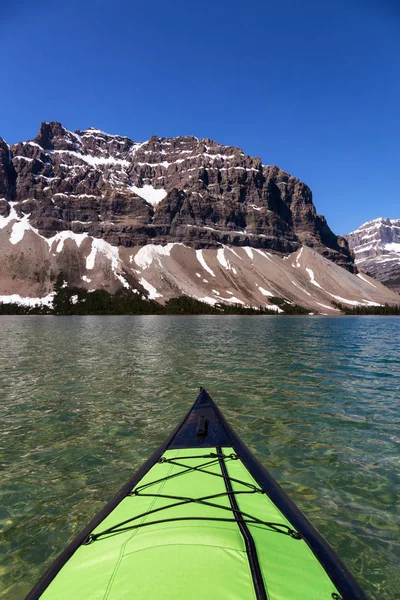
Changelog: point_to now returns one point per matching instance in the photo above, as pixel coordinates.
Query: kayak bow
(201, 520)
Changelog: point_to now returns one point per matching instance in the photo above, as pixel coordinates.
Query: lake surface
(84, 400)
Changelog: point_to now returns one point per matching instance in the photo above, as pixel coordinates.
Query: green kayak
(201, 520)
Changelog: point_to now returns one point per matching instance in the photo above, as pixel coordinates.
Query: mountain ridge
(165, 218)
(182, 189)
(376, 246)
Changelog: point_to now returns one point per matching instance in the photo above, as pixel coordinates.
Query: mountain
(164, 218)
(181, 189)
(376, 246)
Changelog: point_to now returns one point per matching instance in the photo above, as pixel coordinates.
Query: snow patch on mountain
(249, 252)
(25, 301)
(264, 254)
(298, 258)
(111, 252)
(366, 280)
(22, 224)
(153, 294)
(346, 300)
(18, 229)
(392, 247)
(264, 291)
(92, 160)
(274, 307)
(312, 278)
(233, 300)
(222, 260)
(66, 235)
(207, 300)
(200, 258)
(4, 221)
(230, 249)
(152, 195)
(147, 254)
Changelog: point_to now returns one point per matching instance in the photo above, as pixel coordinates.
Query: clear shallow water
(84, 400)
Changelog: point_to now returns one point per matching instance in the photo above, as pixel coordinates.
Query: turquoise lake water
(84, 400)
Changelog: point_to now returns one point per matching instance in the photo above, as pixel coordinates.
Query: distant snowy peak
(376, 246)
(376, 224)
(375, 236)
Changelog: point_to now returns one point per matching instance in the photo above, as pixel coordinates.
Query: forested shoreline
(79, 301)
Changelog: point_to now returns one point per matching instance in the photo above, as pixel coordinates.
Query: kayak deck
(200, 520)
(194, 549)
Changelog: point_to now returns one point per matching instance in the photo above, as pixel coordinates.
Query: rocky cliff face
(7, 178)
(182, 189)
(376, 246)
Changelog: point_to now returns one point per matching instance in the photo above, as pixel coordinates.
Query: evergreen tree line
(386, 309)
(78, 301)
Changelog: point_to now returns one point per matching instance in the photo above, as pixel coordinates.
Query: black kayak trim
(204, 426)
(251, 550)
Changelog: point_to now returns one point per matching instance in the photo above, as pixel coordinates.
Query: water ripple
(86, 399)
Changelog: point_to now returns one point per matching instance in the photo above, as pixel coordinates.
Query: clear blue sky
(310, 85)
